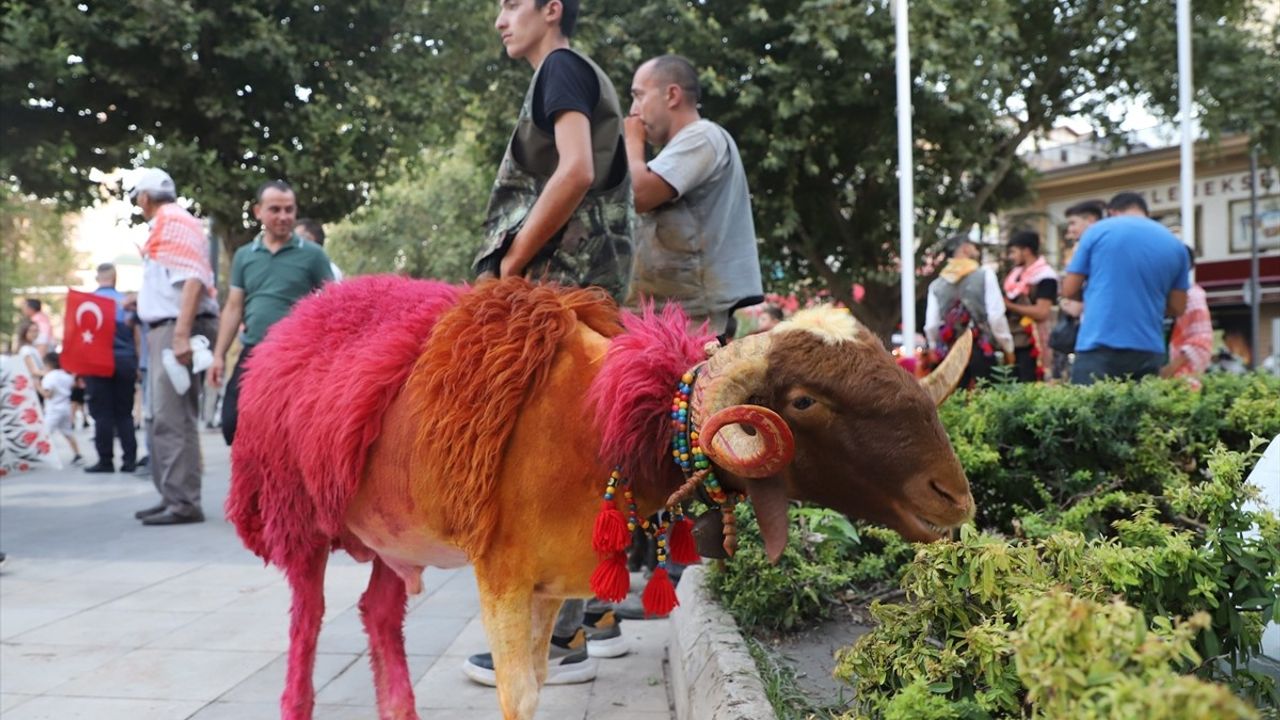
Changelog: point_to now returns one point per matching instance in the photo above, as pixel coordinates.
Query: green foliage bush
(1037, 447)
(1129, 496)
(972, 633)
(798, 589)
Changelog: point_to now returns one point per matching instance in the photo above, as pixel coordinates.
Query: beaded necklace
(689, 455)
(673, 534)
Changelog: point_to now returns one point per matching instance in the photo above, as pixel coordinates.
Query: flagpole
(1254, 296)
(906, 185)
(1188, 163)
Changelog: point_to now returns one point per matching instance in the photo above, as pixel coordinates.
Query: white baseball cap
(151, 180)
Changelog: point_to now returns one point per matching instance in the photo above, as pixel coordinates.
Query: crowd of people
(1125, 303)
(176, 304)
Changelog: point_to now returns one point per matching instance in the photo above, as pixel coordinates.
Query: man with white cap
(177, 302)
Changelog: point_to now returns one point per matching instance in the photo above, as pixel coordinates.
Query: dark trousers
(111, 405)
(1024, 364)
(980, 368)
(231, 398)
(1103, 363)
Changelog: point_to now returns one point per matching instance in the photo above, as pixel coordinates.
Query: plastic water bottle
(201, 355)
(179, 374)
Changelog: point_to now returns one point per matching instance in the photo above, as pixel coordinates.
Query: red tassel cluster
(610, 534)
(659, 597)
(611, 537)
(611, 581)
(683, 549)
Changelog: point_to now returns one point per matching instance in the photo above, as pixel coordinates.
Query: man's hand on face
(182, 349)
(633, 129)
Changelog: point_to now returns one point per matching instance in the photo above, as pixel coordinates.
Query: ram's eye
(802, 403)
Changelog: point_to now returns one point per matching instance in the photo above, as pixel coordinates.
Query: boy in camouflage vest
(561, 208)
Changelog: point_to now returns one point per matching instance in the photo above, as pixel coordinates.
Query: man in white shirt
(696, 241)
(177, 302)
(966, 293)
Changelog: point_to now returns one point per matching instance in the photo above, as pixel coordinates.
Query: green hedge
(1124, 492)
(1037, 447)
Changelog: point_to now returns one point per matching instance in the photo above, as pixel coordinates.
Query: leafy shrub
(969, 631)
(827, 558)
(1037, 447)
(796, 591)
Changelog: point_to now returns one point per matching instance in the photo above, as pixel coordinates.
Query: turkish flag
(90, 331)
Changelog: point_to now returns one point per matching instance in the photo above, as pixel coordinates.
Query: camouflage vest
(594, 247)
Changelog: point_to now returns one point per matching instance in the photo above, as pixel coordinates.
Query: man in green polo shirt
(268, 276)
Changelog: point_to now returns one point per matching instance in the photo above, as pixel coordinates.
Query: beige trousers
(177, 468)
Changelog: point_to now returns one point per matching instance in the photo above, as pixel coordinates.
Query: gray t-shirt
(700, 248)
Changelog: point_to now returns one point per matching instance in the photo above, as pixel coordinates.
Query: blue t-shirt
(1132, 264)
(122, 344)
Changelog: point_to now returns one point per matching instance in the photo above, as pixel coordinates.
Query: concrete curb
(712, 674)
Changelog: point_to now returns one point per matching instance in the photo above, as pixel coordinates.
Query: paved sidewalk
(104, 619)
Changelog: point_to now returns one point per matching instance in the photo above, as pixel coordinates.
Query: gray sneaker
(568, 663)
(604, 635)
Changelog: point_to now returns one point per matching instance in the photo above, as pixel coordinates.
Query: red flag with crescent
(90, 331)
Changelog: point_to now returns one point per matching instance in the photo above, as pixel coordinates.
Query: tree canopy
(33, 253)
(423, 225)
(340, 99)
(225, 95)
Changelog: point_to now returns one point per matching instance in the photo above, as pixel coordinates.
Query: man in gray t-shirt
(695, 242)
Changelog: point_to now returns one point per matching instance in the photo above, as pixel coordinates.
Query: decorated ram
(418, 424)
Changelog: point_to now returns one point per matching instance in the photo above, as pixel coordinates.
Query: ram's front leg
(507, 613)
(544, 621)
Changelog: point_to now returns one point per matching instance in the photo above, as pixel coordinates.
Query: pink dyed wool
(632, 394)
(311, 405)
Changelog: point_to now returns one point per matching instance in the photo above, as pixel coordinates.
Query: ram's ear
(769, 498)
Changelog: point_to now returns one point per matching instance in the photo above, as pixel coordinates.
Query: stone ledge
(712, 674)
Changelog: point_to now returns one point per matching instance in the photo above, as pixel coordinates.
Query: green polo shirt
(273, 282)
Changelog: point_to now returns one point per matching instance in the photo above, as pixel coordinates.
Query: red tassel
(682, 547)
(659, 595)
(610, 534)
(611, 581)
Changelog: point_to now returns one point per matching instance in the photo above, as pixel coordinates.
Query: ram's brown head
(818, 410)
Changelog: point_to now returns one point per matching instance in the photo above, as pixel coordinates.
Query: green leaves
(331, 97)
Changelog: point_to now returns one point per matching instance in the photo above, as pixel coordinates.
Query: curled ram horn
(720, 411)
(759, 453)
(943, 380)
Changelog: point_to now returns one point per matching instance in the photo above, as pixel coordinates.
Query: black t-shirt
(1046, 289)
(565, 82)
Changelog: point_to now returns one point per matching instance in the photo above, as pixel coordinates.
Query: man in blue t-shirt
(111, 398)
(1136, 272)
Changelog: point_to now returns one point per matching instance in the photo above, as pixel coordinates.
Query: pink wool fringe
(632, 394)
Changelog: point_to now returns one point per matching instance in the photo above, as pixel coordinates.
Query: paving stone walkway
(104, 619)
